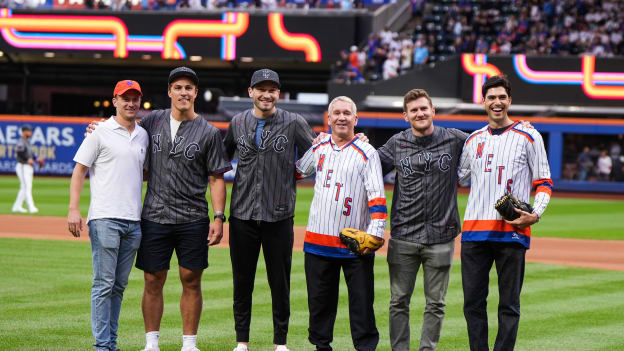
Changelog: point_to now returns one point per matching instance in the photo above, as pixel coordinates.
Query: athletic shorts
(190, 241)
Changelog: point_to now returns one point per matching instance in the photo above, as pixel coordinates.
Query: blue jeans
(114, 243)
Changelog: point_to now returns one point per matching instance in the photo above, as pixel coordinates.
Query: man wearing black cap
(267, 140)
(24, 170)
(185, 156)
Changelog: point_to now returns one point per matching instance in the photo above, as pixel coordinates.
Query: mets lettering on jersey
(424, 205)
(348, 193)
(514, 160)
(264, 187)
(179, 169)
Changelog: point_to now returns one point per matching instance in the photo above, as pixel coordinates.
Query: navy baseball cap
(26, 127)
(183, 72)
(265, 75)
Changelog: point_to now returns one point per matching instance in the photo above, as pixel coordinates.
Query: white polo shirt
(115, 159)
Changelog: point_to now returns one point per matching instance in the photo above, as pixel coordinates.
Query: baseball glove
(506, 204)
(358, 240)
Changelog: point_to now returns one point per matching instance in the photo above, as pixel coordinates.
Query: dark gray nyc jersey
(179, 169)
(424, 205)
(23, 151)
(264, 186)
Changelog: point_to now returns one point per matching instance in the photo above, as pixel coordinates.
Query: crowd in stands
(193, 4)
(450, 27)
(603, 161)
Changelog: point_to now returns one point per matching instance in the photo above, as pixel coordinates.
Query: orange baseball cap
(125, 85)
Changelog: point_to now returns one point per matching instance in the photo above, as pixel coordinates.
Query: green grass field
(44, 299)
(45, 288)
(565, 217)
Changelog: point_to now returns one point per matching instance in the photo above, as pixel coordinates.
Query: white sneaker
(281, 348)
(241, 347)
(151, 349)
(33, 210)
(19, 210)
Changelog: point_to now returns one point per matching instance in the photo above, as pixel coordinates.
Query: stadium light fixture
(147, 105)
(195, 58)
(49, 54)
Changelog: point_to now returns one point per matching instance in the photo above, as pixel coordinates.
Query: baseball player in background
(114, 155)
(348, 193)
(266, 140)
(24, 170)
(185, 157)
(502, 156)
(425, 219)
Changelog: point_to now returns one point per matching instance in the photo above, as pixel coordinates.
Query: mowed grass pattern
(564, 218)
(45, 288)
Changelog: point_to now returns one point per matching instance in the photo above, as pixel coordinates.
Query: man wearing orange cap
(114, 155)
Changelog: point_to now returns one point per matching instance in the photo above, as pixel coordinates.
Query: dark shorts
(190, 241)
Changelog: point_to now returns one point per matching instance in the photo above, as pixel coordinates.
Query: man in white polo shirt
(114, 155)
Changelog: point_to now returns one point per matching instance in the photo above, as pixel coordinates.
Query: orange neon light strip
(597, 91)
(201, 28)
(70, 24)
(291, 41)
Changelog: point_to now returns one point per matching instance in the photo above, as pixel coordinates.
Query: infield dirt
(599, 254)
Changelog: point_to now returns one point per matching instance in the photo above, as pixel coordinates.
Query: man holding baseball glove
(503, 161)
(346, 224)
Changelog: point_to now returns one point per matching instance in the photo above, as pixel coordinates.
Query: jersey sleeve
(228, 142)
(463, 170)
(386, 155)
(89, 149)
(304, 135)
(216, 160)
(305, 165)
(373, 181)
(148, 121)
(540, 173)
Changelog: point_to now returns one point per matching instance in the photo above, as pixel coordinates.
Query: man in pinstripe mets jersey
(266, 140)
(425, 219)
(502, 156)
(348, 193)
(185, 157)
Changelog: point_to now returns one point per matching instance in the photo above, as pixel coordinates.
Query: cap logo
(129, 83)
(266, 74)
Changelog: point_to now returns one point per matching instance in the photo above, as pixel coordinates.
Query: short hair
(343, 99)
(496, 81)
(415, 94)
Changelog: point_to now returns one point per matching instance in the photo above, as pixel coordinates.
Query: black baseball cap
(183, 72)
(26, 127)
(264, 75)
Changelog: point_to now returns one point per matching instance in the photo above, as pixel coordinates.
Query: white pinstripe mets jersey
(348, 193)
(514, 160)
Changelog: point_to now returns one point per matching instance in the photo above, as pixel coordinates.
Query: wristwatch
(220, 215)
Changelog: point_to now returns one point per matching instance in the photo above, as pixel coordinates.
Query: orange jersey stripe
(493, 225)
(378, 215)
(377, 201)
(323, 239)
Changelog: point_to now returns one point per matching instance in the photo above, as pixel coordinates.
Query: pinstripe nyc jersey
(424, 205)
(179, 168)
(264, 185)
(514, 160)
(348, 193)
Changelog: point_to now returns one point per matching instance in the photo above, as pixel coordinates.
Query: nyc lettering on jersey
(188, 150)
(423, 161)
